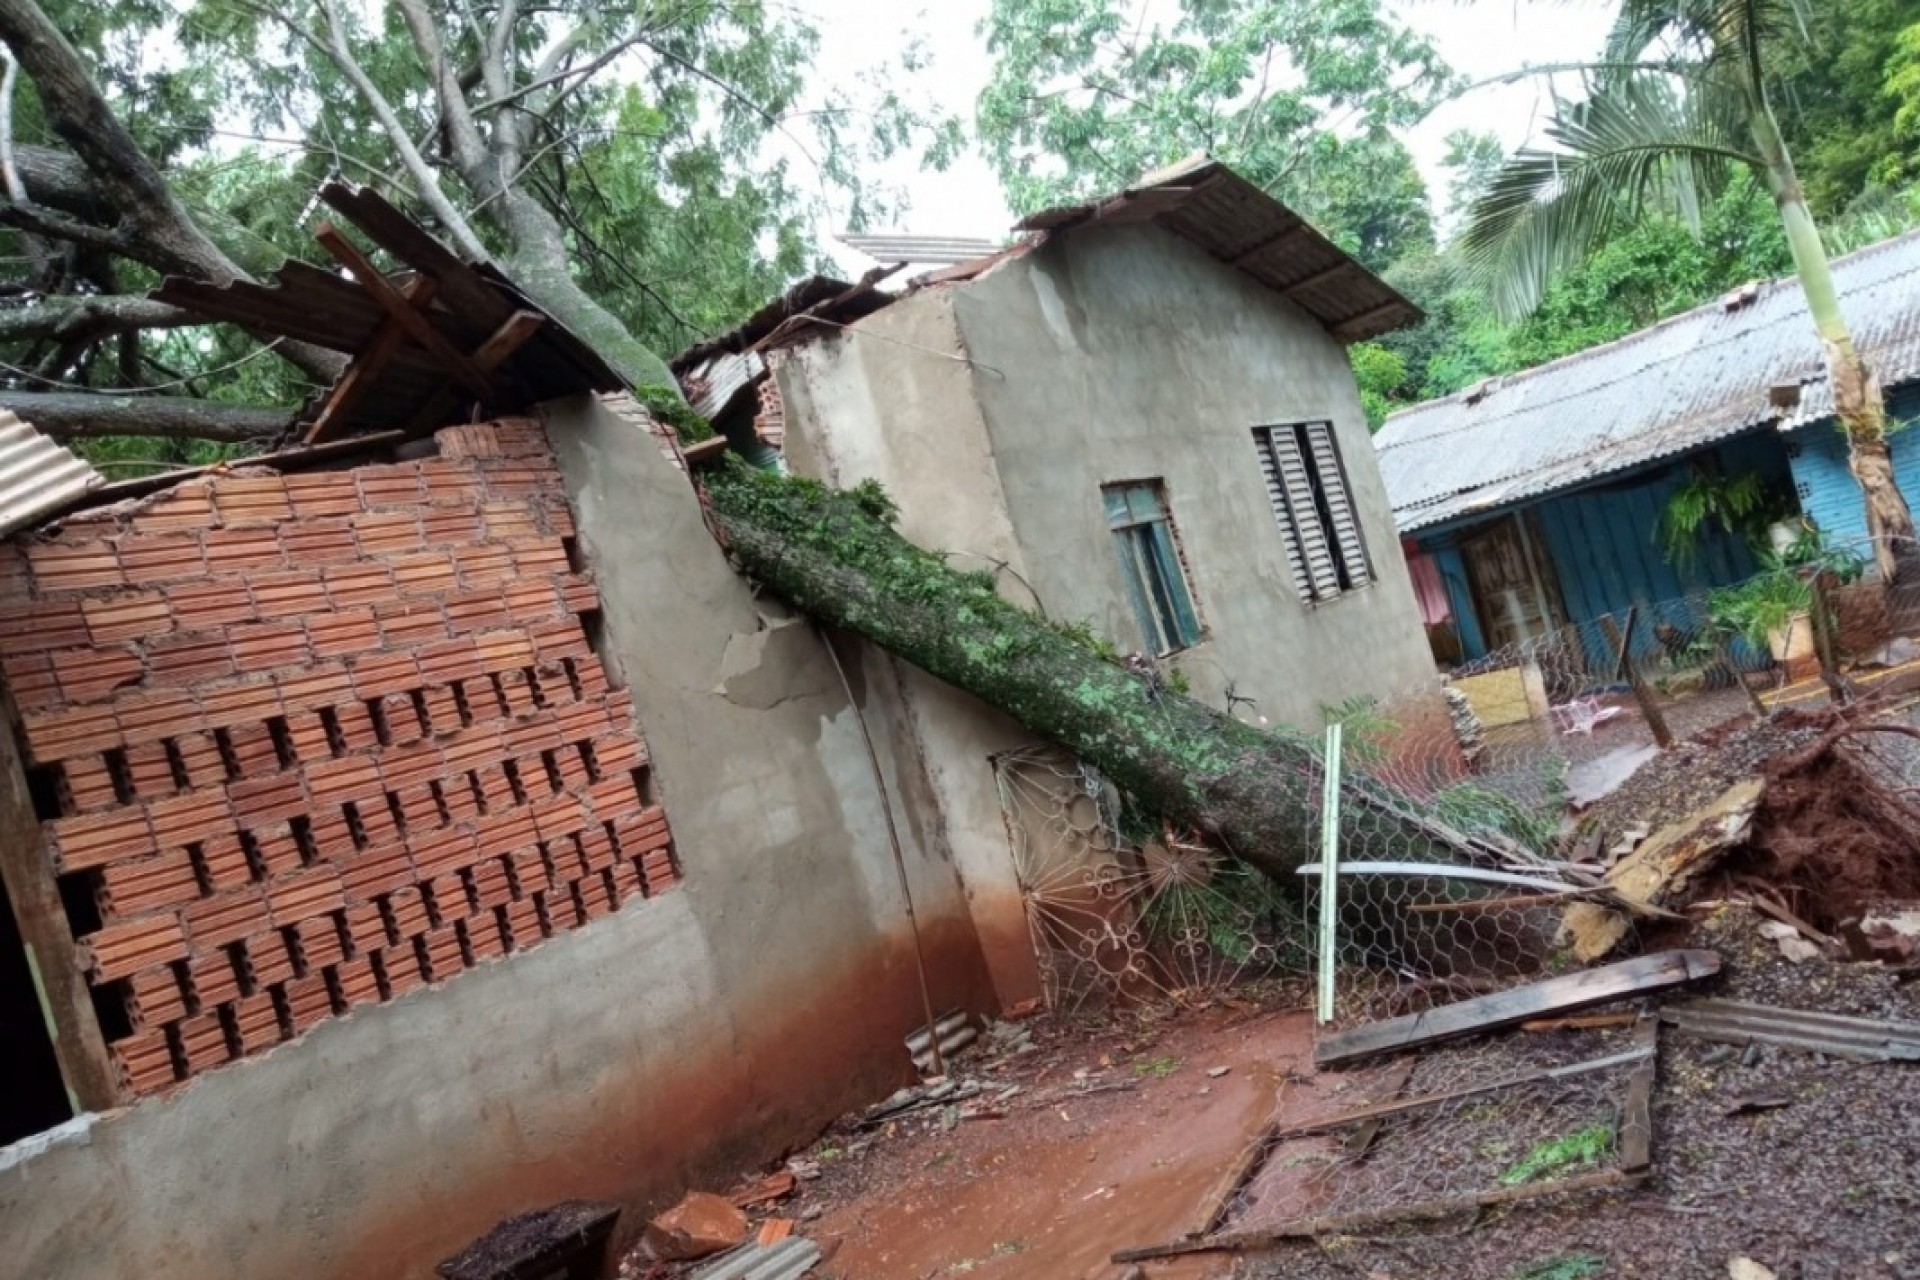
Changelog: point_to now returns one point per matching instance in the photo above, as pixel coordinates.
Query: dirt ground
(1113, 1131)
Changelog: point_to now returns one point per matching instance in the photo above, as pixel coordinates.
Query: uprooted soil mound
(1831, 831)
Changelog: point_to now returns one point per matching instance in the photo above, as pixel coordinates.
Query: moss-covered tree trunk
(1254, 793)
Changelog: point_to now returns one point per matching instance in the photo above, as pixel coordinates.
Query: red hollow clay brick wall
(318, 739)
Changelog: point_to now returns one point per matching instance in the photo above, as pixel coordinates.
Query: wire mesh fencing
(1117, 914)
(1448, 1132)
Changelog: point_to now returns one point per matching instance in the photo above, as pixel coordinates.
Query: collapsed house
(427, 824)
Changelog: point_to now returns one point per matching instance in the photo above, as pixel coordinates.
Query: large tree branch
(70, 314)
(80, 116)
(76, 415)
(484, 171)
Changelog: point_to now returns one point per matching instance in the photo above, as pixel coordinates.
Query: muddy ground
(1118, 1127)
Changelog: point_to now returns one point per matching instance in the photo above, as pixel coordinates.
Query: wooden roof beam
(416, 325)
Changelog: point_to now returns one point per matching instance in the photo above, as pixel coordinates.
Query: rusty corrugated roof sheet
(1689, 381)
(1205, 202)
(37, 476)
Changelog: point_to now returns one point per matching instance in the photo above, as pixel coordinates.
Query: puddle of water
(1594, 780)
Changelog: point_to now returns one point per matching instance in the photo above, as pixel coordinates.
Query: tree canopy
(652, 172)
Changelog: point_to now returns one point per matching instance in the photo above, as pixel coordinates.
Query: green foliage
(1084, 634)
(1156, 1068)
(872, 498)
(667, 405)
(1380, 371)
(1739, 505)
(1587, 1147)
(1087, 96)
(1364, 728)
(1767, 603)
(1565, 1266)
(1474, 807)
(1848, 91)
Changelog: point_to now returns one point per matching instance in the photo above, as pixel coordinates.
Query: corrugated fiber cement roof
(1686, 382)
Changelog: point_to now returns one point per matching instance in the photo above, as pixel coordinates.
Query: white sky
(1480, 39)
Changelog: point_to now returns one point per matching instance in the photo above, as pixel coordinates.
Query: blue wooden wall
(1818, 455)
(1604, 547)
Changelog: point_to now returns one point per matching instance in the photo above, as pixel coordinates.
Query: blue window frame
(1144, 542)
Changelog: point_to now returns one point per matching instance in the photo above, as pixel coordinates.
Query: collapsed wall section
(305, 742)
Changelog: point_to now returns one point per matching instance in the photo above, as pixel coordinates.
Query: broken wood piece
(1387, 1110)
(1657, 872)
(1582, 1022)
(1567, 994)
(775, 1186)
(1252, 1241)
(1360, 1141)
(1636, 1116)
(1750, 1103)
(1734, 1022)
(1767, 904)
(773, 1231)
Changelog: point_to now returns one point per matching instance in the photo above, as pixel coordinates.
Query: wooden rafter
(417, 326)
(369, 364)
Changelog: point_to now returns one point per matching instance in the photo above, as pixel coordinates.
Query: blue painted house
(1533, 501)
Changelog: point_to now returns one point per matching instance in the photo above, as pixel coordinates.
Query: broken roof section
(1697, 378)
(437, 343)
(1200, 200)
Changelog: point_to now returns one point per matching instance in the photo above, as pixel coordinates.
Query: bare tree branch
(483, 167)
(74, 415)
(70, 314)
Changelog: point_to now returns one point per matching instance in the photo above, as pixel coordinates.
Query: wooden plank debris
(1636, 1117)
(1387, 1110)
(1570, 993)
(1734, 1022)
(1345, 1224)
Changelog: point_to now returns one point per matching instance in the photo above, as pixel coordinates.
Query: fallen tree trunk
(70, 415)
(1252, 793)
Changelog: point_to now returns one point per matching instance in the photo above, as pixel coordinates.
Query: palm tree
(1678, 104)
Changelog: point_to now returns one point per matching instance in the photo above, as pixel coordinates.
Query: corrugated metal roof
(37, 476)
(1684, 383)
(931, 250)
(1205, 202)
(786, 1260)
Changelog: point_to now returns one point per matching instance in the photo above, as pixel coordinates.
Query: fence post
(1329, 869)
(1649, 705)
(1824, 646)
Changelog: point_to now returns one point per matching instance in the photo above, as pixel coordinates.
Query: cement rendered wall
(668, 1042)
(1124, 353)
(891, 399)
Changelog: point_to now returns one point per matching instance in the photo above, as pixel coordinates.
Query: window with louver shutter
(1313, 505)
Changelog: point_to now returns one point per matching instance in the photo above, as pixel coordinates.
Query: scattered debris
(569, 1238)
(775, 1186)
(1214, 1073)
(786, 1260)
(1570, 993)
(1755, 1024)
(1750, 1103)
(1891, 936)
(700, 1225)
(773, 1231)
(1794, 947)
(1747, 1269)
(1581, 1022)
(955, 1030)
